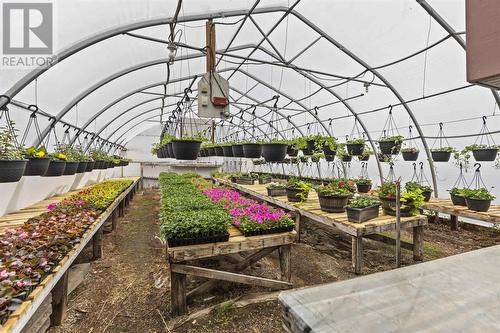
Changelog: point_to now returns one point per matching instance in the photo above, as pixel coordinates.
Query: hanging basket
(329, 158)
(238, 150)
(311, 147)
(12, 170)
(186, 149)
(485, 155)
(292, 152)
(56, 168)
(82, 167)
(478, 205)
(384, 158)
(355, 149)
(364, 188)
(333, 204)
(211, 151)
(90, 166)
(364, 158)
(427, 195)
(328, 151)
(219, 151)
(347, 158)
(100, 165)
(252, 150)
(458, 200)
(71, 168)
(36, 166)
(441, 156)
(170, 149)
(228, 151)
(274, 152)
(410, 155)
(389, 147)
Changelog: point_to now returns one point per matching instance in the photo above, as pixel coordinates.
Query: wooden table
(261, 246)
(445, 206)
(458, 294)
(369, 229)
(57, 281)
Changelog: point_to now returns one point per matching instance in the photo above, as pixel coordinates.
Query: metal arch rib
(449, 29)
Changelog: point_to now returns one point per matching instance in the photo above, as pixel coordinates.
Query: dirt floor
(128, 289)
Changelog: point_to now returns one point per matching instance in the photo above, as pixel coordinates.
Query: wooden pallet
(56, 281)
(370, 229)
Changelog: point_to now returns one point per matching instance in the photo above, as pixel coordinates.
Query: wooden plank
(178, 293)
(97, 244)
(418, 243)
(59, 301)
(445, 206)
(229, 276)
(285, 255)
(357, 254)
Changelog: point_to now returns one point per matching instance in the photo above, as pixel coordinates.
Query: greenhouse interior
(250, 166)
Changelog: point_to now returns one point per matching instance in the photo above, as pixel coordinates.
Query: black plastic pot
(276, 192)
(82, 167)
(36, 166)
(440, 156)
(404, 212)
(162, 152)
(90, 166)
(219, 151)
(311, 147)
(170, 150)
(274, 230)
(363, 158)
(238, 151)
(458, 200)
(410, 156)
(478, 205)
(109, 165)
(211, 151)
(71, 168)
(333, 204)
(12, 170)
(291, 194)
(355, 148)
(274, 152)
(186, 149)
(427, 195)
(329, 158)
(252, 150)
(328, 151)
(292, 152)
(364, 188)
(100, 164)
(359, 215)
(485, 155)
(347, 158)
(197, 240)
(389, 147)
(56, 168)
(228, 151)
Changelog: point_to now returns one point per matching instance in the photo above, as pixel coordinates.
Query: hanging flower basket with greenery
(238, 150)
(362, 209)
(90, 166)
(457, 196)
(410, 154)
(442, 154)
(252, 150)
(364, 185)
(333, 198)
(483, 153)
(56, 166)
(478, 200)
(227, 149)
(297, 190)
(38, 162)
(274, 151)
(426, 190)
(186, 148)
(390, 145)
(291, 151)
(355, 147)
(218, 150)
(12, 164)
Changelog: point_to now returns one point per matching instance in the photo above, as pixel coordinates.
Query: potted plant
(100, 159)
(297, 190)
(410, 201)
(410, 154)
(83, 158)
(333, 198)
(442, 154)
(238, 150)
(426, 190)
(264, 179)
(243, 178)
(483, 153)
(276, 189)
(71, 158)
(187, 148)
(12, 164)
(364, 185)
(355, 146)
(295, 145)
(274, 150)
(457, 196)
(227, 149)
(478, 200)
(56, 166)
(390, 145)
(387, 195)
(316, 157)
(252, 150)
(38, 162)
(366, 154)
(343, 154)
(384, 158)
(311, 144)
(362, 209)
(329, 145)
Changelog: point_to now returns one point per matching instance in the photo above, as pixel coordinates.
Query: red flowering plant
(387, 190)
(343, 183)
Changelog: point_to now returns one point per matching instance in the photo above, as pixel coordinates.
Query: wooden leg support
(357, 254)
(113, 220)
(454, 222)
(297, 225)
(97, 244)
(418, 243)
(178, 293)
(285, 262)
(59, 301)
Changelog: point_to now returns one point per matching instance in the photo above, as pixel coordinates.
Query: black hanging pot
(90, 166)
(328, 151)
(186, 149)
(82, 167)
(355, 148)
(347, 158)
(202, 153)
(364, 188)
(458, 200)
(162, 152)
(36, 166)
(110, 165)
(211, 151)
(170, 148)
(100, 165)
(389, 147)
(12, 170)
(478, 205)
(228, 151)
(125, 163)
(56, 168)
(410, 155)
(219, 151)
(427, 195)
(485, 155)
(292, 152)
(311, 147)
(441, 156)
(238, 151)
(252, 150)
(329, 158)
(274, 152)
(364, 157)
(70, 168)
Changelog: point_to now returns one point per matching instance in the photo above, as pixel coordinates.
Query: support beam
(59, 301)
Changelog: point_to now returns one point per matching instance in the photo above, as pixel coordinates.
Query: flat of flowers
(445, 206)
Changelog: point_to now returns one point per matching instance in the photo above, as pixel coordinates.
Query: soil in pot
(355, 148)
(82, 167)
(70, 168)
(440, 156)
(12, 170)
(410, 156)
(56, 168)
(389, 147)
(228, 151)
(274, 152)
(90, 166)
(291, 195)
(478, 205)
(458, 200)
(364, 188)
(359, 215)
(36, 166)
(252, 150)
(485, 155)
(186, 149)
(219, 151)
(291, 151)
(333, 204)
(238, 151)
